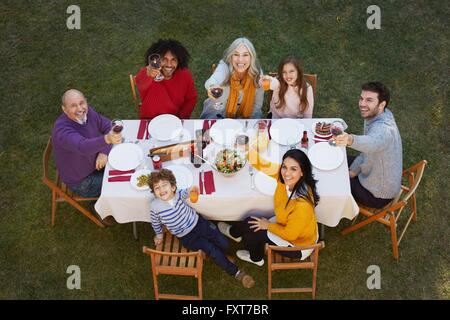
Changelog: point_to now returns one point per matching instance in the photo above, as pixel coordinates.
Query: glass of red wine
(336, 129)
(117, 126)
(217, 92)
(154, 60)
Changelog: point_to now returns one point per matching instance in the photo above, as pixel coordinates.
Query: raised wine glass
(117, 126)
(155, 63)
(337, 128)
(217, 92)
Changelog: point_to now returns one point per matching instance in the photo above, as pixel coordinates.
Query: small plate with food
(321, 129)
(139, 179)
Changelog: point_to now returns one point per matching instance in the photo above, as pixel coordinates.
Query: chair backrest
(137, 104)
(276, 261)
(171, 258)
(414, 175)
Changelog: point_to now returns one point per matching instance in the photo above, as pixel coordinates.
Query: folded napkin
(143, 125)
(211, 123)
(200, 182)
(119, 172)
(119, 178)
(205, 125)
(209, 182)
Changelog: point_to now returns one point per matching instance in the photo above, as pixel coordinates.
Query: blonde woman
(237, 74)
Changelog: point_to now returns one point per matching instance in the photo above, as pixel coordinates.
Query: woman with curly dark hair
(294, 223)
(168, 88)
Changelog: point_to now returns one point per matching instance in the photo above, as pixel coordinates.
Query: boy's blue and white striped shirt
(179, 219)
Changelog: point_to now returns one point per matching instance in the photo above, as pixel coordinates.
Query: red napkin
(142, 129)
(200, 182)
(205, 125)
(119, 178)
(211, 123)
(118, 172)
(209, 182)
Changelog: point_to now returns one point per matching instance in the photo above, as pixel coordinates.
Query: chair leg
(54, 204)
(394, 236)
(414, 207)
(199, 283)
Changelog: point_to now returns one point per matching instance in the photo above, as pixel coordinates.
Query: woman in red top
(175, 93)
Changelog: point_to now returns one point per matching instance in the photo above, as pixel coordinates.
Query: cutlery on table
(250, 171)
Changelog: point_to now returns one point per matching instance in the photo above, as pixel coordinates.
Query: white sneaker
(245, 255)
(225, 229)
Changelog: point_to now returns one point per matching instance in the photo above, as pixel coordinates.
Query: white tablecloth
(233, 199)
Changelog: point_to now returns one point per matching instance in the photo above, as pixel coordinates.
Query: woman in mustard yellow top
(294, 201)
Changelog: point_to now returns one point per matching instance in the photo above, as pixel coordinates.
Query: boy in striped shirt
(195, 233)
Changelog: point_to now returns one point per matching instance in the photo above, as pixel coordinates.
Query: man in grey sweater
(376, 173)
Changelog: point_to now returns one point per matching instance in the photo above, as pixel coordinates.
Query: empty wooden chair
(389, 215)
(60, 192)
(276, 261)
(172, 258)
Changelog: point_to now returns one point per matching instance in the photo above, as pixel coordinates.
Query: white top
(291, 108)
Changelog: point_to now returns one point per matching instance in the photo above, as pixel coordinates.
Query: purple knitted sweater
(76, 146)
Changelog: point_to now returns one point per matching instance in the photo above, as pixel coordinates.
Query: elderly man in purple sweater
(81, 141)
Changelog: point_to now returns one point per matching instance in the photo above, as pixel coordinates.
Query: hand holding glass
(336, 129)
(117, 126)
(217, 92)
(154, 62)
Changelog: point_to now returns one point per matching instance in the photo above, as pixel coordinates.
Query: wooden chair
(276, 261)
(390, 214)
(60, 192)
(172, 258)
(136, 101)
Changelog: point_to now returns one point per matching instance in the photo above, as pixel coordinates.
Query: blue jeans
(91, 186)
(211, 241)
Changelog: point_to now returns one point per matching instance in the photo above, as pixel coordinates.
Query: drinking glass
(337, 128)
(155, 63)
(193, 195)
(292, 142)
(217, 92)
(265, 84)
(117, 126)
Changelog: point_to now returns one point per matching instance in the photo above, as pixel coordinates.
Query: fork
(250, 171)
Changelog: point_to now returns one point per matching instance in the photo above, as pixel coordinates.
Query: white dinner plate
(134, 179)
(325, 157)
(265, 184)
(313, 129)
(224, 131)
(125, 156)
(286, 131)
(183, 175)
(165, 127)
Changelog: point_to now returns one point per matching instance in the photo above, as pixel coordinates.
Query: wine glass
(117, 126)
(265, 83)
(155, 63)
(337, 128)
(217, 92)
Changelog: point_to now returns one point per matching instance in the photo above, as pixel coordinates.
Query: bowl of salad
(229, 161)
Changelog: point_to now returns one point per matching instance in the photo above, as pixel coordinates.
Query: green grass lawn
(41, 58)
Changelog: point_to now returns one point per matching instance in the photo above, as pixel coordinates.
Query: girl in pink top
(292, 96)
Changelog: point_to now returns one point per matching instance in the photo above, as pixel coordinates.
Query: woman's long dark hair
(300, 82)
(306, 183)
